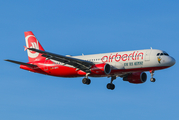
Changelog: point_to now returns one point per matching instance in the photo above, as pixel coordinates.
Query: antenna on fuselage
(151, 48)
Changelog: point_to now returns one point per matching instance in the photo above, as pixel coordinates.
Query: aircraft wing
(20, 63)
(77, 63)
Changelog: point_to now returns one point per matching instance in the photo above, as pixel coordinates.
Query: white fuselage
(131, 59)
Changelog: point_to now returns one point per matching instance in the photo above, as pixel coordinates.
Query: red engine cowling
(101, 69)
(136, 78)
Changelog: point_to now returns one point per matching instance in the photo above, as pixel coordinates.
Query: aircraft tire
(86, 81)
(110, 86)
(152, 79)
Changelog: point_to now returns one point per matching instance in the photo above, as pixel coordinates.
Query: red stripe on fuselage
(64, 71)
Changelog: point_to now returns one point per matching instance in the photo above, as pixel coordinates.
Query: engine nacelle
(136, 78)
(101, 69)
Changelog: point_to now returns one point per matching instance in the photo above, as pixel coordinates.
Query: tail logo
(32, 42)
(34, 45)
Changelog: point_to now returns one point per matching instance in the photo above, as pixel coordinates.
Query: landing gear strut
(152, 74)
(86, 80)
(110, 85)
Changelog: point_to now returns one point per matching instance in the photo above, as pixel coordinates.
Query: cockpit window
(158, 54)
(161, 54)
(166, 54)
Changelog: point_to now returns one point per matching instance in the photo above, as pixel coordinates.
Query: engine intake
(136, 78)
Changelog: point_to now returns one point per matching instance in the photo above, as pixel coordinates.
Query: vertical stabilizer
(32, 42)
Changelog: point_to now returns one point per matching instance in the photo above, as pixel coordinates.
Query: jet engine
(136, 78)
(98, 69)
(101, 69)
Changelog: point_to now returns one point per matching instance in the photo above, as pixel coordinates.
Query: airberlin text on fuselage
(125, 57)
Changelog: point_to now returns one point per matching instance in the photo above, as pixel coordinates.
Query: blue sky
(74, 27)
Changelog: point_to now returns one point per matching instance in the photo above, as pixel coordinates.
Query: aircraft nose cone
(173, 61)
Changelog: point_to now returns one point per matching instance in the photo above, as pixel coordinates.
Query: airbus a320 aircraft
(129, 65)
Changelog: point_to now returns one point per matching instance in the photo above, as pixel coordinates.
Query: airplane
(129, 65)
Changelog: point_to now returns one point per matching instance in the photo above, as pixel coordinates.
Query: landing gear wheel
(110, 86)
(152, 74)
(152, 80)
(86, 81)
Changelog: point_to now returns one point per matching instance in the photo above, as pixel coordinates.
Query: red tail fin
(32, 42)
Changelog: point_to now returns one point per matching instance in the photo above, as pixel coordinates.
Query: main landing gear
(110, 85)
(152, 74)
(86, 80)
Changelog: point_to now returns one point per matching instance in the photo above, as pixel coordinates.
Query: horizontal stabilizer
(20, 63)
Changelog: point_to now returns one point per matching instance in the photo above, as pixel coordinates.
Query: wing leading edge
(77, 63)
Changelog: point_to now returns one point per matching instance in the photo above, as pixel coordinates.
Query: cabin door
(147, 55)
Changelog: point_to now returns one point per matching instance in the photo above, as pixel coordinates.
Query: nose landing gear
(152, 74)
(110, 85)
